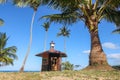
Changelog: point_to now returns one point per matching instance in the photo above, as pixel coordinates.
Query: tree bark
(97, 56)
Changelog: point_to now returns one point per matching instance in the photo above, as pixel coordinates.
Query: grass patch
(63, 75)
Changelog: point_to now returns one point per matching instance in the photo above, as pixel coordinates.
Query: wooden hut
(51, 59)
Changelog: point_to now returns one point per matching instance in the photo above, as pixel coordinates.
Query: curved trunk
(30, 43)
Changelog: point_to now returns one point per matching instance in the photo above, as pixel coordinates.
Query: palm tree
(67, 66)
(34, 4)
(7, 54)
(65, 33)
(91, 12)
(46, 27)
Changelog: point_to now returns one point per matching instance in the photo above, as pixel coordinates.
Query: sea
(17, 71)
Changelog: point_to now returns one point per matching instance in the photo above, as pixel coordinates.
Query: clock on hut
(51, 59)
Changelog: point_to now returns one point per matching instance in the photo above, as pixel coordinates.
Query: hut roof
(52, 51)
(61, 54)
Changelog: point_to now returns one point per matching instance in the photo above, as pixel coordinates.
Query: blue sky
(17, 24)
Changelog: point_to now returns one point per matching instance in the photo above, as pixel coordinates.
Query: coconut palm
(91, 12)
(67, 66)
(34, 4)
(65, 33)
(46, 27)
(7, 54)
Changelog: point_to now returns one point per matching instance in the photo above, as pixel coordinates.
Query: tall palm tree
(7, 54)
(46, 27)
(91, 12)
(34, 4)
(65, 32)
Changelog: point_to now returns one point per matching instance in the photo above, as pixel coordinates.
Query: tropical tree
(46, 27)
(65, 32)
(34, 4)
(67, 66)
(7, 54)
(91, 12)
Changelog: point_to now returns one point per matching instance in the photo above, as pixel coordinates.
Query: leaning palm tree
(46, 27)
(91, 12)
(34, 4)
(7, 54)
(65, 33)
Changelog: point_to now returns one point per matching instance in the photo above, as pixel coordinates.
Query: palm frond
(3, 40)
(7, 55)
(117, 31)
(3, 1)
(1, 22)
(112, 3)
(64, 18)
(112, 15)
(46, 26)
(64, 31)
(20, 3)
(64, 4)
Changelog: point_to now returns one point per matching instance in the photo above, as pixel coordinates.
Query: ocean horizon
(18, 71)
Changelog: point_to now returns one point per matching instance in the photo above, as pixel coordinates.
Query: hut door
(54, 61)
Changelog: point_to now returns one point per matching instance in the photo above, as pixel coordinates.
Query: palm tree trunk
(30, 43)
(97, 58)
(45, 41)
(65, 44)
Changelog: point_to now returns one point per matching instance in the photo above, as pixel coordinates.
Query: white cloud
(110, 45)
(86, 51)
(114, 56)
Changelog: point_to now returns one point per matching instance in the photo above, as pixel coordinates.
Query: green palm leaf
(1, 22)
(117, 31)
(46, 26)
(64, 32)
(7, 55)
(64, 18)
(3, 1)
(112, 15)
